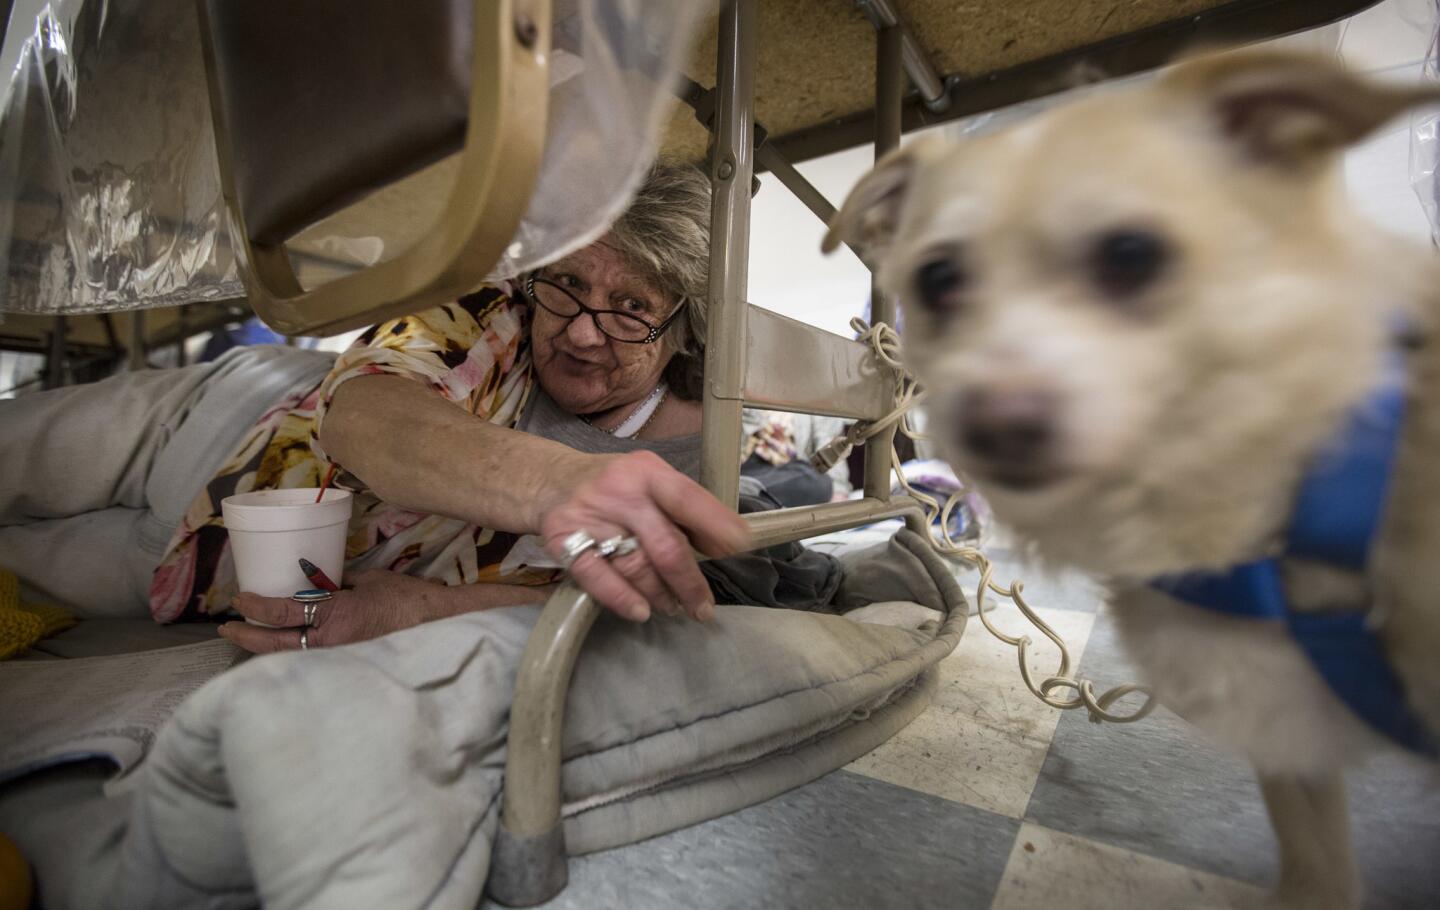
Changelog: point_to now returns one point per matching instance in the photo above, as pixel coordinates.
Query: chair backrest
(332, 99)
(316, 104)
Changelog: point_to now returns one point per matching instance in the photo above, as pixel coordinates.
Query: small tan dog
(1141, 318)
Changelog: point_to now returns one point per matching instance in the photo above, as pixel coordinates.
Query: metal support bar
(208, 317)
(785, 525)
(882, 15)
(182, 330)
(771, 160)
(55, 358)
(529, 857)
(767, 158)
(26, 344)
(137, 341)
(731, 170)
(889, 93)
(889, 89)
(112, 338)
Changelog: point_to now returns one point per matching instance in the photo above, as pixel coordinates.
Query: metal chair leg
(528, 861)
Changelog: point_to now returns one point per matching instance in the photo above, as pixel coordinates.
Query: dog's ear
(1291, 109)
(870, 215)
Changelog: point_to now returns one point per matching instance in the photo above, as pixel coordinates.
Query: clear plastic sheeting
(1425, 136)
(111, 193)
(613, 68)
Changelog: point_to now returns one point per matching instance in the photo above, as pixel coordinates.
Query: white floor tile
(984, 739)
(1051, 869)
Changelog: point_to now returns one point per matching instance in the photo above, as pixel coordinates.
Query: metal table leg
(730, 173)
(889, 94)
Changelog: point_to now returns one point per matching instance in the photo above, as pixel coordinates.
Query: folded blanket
(371, 775)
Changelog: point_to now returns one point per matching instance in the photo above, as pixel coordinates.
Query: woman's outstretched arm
(417, 450)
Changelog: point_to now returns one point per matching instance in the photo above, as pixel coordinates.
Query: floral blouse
(475, 352)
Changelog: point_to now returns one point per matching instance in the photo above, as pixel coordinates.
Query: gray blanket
(371, 775)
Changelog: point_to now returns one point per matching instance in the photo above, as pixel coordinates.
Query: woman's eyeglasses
(613, 324)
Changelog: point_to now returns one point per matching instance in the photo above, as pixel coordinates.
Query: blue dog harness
(1337, 515)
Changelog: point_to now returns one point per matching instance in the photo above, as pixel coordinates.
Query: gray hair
(665, 237)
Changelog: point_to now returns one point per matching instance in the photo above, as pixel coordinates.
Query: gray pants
(95, 478)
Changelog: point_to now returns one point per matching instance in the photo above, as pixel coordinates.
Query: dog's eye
(939, 284)
(1125, 261)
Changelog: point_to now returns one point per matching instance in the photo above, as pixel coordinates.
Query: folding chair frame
(743, 366)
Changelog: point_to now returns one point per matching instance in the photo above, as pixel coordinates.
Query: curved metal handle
(528, 862)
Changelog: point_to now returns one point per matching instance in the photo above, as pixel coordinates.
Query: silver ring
(310, 612)
(312, 595)
(574, 546)
(627, 546)
(617, 546)
(305, 639)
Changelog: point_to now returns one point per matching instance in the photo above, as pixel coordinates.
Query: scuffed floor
(992, 800)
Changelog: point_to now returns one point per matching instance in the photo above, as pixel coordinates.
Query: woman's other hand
(379, 603)
(639, 495)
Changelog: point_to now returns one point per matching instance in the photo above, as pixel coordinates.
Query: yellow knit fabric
(21, 625)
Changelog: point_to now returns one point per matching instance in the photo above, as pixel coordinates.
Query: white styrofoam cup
(272, 530)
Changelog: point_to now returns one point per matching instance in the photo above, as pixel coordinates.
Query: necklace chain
(648, 420)
(660, 390)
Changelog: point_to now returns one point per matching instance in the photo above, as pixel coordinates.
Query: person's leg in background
(95, 478)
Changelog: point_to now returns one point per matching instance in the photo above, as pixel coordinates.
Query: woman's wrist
(469, 598)
(563, 475)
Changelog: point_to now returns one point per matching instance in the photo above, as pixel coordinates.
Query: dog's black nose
(1009, 428)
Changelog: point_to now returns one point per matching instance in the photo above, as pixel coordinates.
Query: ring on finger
(311, 598)
(619, 545)
(575, 546)
(626, 545)
(305, 639)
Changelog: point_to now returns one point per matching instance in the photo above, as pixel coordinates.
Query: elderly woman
(565, 404)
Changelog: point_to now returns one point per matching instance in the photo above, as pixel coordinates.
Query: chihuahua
(1143, 319)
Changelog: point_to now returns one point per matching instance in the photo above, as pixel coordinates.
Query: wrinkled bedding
(371, 775)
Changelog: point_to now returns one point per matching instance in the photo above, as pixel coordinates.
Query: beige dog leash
(885, 342)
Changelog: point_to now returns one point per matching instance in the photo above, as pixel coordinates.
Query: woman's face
(582, 370)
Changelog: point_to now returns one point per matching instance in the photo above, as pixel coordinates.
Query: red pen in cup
(317, 577)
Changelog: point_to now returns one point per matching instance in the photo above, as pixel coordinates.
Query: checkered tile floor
(992, 800)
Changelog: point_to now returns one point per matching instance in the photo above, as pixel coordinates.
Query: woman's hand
(379, 603)
(639, 495)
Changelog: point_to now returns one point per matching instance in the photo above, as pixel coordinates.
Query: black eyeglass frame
(654, 331)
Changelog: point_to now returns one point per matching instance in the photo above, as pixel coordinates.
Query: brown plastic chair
(317, 104)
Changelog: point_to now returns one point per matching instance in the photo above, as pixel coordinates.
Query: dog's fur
(1180, 415)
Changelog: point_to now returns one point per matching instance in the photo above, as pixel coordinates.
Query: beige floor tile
(1051, 869)
(984, 739)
